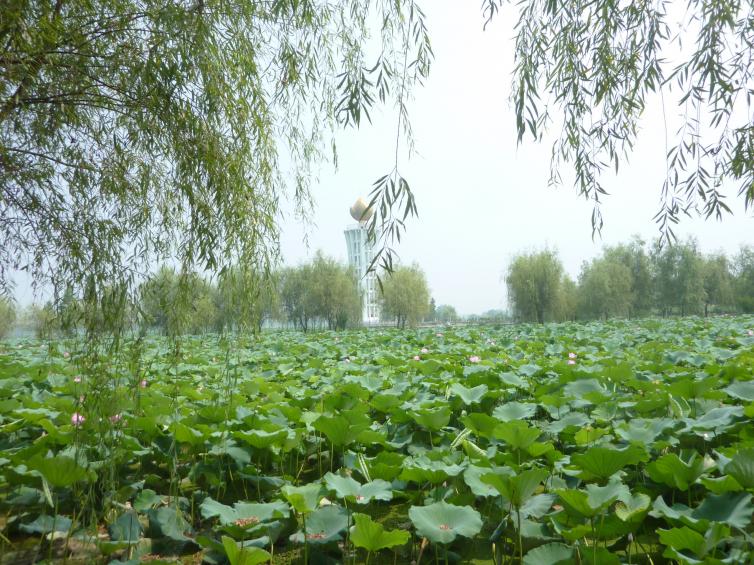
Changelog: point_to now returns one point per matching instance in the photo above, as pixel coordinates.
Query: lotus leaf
(442, 522)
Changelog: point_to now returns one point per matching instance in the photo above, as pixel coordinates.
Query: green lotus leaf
(719, 485)
(303, 499)
(146, 499)
(515, 411)
(46, 524)
(588, 435)
(481, 424)
(717, 419)
(517, 489)
(472, 476)
(339, 429)
(167, 522)
(422, 469)
(603, 496)
(733, 509)
(570, 420)
(576, 503)
(442, 522)
(549, 554)
(257, 512)
(743, 390)
(186, 434)
(513, 380)
(372, 536)
(126, 527)
(263, 438)
(682, 539)
(536, 506)
(674, 472)
(386, 465)
(582, 387)
(603, 462)
(323, 526)
(346, 487)
(642, 431)
(432, 419)
(469, 395)
(517, 435)
(628, 509)
(59, 471)
(741, 468)
(246, 555)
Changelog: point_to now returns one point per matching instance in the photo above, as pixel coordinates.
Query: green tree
(132, 132)
(718, 283)
(533, 281)
(322, 290)
(245, 297)
(604, 289)
(178, 303)
(42, 320)
(634, 256)
(335, 293)
(678, 278)
(568, 300)
(405, 296)
(743, 269)
(295, 299)
(7, 317)
(593, 68)
(431, 315)
(445, 313)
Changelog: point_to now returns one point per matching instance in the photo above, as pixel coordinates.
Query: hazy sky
(481, 198)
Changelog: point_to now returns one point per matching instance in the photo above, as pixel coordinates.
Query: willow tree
(133, 131)
(592, 67)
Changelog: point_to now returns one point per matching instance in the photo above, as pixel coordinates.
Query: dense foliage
(134, 131)
(632, 280)
(405, 296)
(598, 443)
(7, 316)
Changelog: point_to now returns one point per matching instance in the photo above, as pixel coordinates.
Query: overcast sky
(481, 198)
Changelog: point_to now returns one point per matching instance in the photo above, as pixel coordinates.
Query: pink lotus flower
(751, 332)
(417, 358)
(77, 419)
(572, 355)
(66, 355)
(475, 358)
(425, 350)
(572, 361)
(115, 418)
(77, 379)
(143, 383)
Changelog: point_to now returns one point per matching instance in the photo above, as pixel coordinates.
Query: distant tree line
(632, 280)
(321, 293)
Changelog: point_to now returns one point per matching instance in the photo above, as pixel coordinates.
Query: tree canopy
(405, 296)
(134, 131)
(533, 281)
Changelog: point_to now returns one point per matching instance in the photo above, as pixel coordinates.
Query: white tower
(361, 252)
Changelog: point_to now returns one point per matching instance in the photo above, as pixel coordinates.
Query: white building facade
(361, 252)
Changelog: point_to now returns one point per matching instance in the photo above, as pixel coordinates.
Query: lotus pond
(620, 442)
